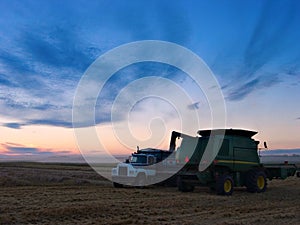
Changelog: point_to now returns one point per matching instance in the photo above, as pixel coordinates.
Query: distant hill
(266, 155)
(287, 152)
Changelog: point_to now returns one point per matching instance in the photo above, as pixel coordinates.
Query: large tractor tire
(183, 186)
(256, 181)
(224, 185)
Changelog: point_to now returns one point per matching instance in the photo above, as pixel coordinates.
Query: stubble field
(34, 193)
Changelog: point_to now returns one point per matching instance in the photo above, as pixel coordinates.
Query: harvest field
(36, 193)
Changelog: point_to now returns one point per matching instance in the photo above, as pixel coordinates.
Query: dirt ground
(32, 193)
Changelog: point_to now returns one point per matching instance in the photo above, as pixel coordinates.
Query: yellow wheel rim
(260, 182)
(227, 186)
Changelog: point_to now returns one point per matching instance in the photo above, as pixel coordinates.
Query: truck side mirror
(265, 144)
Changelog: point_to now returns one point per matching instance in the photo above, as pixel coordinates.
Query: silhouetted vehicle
(236, 163)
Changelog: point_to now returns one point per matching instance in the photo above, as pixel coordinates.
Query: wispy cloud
(194, 106)
(24, 150)
(269, 43)
(42, 78)
(52, 122)
(13, 125)
(266, 42)
(245, 89)
(16, 149)
(127, 75)
(161, 20)
(43, 55)
(42, 61)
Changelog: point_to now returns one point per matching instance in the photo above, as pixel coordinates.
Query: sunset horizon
(44, 55)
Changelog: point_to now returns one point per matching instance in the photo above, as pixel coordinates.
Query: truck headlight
(131, 172)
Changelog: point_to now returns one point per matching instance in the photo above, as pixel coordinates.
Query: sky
(252, 47)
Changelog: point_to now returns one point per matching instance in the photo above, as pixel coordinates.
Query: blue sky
(251, 46)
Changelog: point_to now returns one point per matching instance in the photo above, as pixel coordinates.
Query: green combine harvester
(235, 164)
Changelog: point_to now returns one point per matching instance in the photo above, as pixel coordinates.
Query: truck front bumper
(124, 180)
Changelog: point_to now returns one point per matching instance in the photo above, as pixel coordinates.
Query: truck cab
(142, 159)
(139, 169)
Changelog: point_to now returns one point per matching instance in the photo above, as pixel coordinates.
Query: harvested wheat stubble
(27, 197)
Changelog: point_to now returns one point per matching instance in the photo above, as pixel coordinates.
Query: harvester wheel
(183, 186)
(117, 185)
(224, 185)
(256, 181)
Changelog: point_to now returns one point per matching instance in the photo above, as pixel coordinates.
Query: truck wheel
(298, 174)
(256, 181)
(117, 185)
(184, 187)
(140, 180)
(224, 185)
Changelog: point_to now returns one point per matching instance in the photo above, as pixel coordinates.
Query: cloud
(23, 150)
(5, 81)
(40, 67)
(127, 75)
(245, 89)
(44, 53)
(269, 44)
(13, 125)
(12, 144)
(43, 60)
(33, 111)
(268, 40)
(14, 148)
(194, 106)
(52, 122)
(14, 62)
(60, 47)
(161, 20)
(18, 149)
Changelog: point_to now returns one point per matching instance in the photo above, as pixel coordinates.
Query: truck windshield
(138, 159)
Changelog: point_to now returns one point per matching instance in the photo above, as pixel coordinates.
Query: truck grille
(122, 171)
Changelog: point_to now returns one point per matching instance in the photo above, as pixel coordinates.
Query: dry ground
(73, 194)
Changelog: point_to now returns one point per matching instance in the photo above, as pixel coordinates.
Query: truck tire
(256, 181)
(140, 180)
(117, 185)
(183, 186)
(224, 185)
(298, 174)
